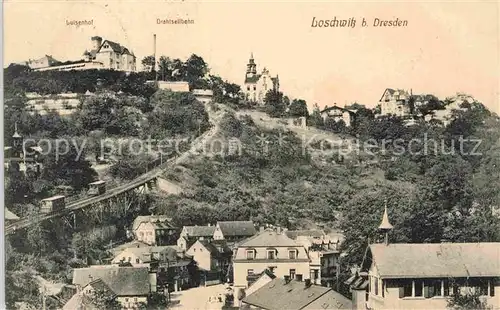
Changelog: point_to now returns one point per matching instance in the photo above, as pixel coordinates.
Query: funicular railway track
(88, 201)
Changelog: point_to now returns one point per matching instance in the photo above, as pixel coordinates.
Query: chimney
(154, 56)
(287, 279)
(385, 226)
(307, 282)
(262, 228)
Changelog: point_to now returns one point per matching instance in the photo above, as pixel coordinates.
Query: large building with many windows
(270, 250)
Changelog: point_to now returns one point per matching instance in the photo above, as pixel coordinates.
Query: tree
(298, 108)
(315, 119)
(165, 68)
(274, 103)
(148, 63)
(195, 70)
(469, 300)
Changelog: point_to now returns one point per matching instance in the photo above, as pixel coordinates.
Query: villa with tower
(257, 85)
(425, 275)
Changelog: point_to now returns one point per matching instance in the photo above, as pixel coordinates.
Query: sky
(446, 48)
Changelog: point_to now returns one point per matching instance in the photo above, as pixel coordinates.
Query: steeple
(385, 226)
(251, 66)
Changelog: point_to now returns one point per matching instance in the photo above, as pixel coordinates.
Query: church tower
(251, 67)
(385, 226)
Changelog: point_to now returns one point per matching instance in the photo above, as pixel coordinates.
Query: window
(135, 299)
(446, 290)
(194, 249)
(249, 272)
(137, 261)
(418, 288)
(126, 299)
(248, 88)
(250, 254)
(292, 273)
(254, 87)
(271, 254)
(292, 254)
(407, 288)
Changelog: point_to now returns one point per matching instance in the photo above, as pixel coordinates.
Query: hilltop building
(257, 85)
(103, 54)
(424, 276)
(338, 114)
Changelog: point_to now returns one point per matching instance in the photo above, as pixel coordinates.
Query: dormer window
(292, 254)
(250, 254)
(271, 254)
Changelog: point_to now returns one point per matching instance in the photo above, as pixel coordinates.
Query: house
(129, 285)
(285, 293)
(269, 250)
(211, 255)
(111, 55)
(213, 259)
(323, 250)
(190, 234)
(425, 275)
(234, 230)
(395, 102)
(167, 265)
(154, 230)
(257, 85)
(338, 114)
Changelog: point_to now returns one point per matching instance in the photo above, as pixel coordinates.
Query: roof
(116, 47)
(199, 231)
(237, 228)
(216, 248)
(391, 91)
(253, 79)
(269, 238)
(435, 259)
(315, 233)
(295, 295)
(9, 215)
(79, 302)
(149, 218)
(99, 285)
(124, 281)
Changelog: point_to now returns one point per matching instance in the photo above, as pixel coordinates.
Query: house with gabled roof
(190, 234)
(426, 275)
(154, 230)
(111, 54)
(285, 293)
(129, 285)
(234, 230)
(213, 258)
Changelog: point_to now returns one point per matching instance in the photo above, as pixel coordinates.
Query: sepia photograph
(285, 155)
